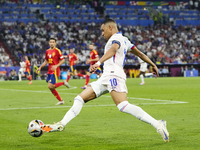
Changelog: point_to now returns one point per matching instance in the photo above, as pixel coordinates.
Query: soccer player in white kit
(143, 69)
(21, 70)
(113, 80)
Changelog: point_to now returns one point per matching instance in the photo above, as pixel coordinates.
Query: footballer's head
(27, 58)
(91, 47)
(52, 43)
(108, 28)
(71, 51)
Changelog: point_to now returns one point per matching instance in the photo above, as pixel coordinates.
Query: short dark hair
(109, 20)
(52, 39)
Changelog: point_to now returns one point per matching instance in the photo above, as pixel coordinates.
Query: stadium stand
(26, 27)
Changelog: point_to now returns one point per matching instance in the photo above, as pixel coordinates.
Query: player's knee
(121, 106)
(51, 87)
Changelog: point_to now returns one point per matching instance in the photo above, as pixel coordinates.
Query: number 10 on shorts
(113, 82)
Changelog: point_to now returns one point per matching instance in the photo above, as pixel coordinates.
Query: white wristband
(98, 63)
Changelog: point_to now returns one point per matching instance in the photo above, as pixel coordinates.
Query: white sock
(142, 78)
(136, 111)
(20, 76)
(148, 74)
(74, 110)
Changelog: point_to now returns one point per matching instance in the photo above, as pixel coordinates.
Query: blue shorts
(72, 68)
(51, 78)
(27, 73)
(98, 71)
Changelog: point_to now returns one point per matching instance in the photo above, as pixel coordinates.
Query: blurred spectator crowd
(4, 58)
(163, 44)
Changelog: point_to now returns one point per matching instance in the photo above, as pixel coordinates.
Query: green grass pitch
(100, 125)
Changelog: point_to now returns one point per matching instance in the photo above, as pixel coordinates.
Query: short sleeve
(117, 42)
(60, 55)
(76, 57)
(129, 44)
(95, 54)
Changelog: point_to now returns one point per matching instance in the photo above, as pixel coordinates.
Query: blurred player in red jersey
(28, 70)
(72, 63)
(54, 57)
(94, 57)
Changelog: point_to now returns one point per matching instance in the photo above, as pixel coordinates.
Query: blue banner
(191, 73)
(64, 75)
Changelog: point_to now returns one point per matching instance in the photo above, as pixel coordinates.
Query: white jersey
(114, 65)
(129, 44)
(22, 67)
(22, 64)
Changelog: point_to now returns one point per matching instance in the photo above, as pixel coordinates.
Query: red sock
(55, 93)
(80, 75)
(58, 84)
(29, 78)
(68, 78)
(87, 79)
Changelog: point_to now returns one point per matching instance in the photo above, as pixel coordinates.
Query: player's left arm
(145, 58)
(60, 56)
(110, 53)
(54, 67)
(95, 59)
(76, 60)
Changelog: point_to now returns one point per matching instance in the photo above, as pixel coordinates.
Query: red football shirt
(28, 65)
(53, 57)
(72, 59)
(93, 55)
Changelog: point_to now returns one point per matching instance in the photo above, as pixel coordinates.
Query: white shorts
(143, 67)
(22, 70)
(108, 83)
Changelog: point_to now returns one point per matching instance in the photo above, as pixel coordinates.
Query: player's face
(91, 47)
(52, 44)
(26, 57)
(71, 51)
(106, 32)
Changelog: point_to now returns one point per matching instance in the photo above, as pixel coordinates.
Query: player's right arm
(43, 65)
(110, 53)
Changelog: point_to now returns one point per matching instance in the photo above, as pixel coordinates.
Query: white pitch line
(145, 99)
(71, 88)
(55, 107)
(66, 89)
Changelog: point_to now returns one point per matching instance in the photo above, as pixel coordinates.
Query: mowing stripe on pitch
(108, 105)
(146, 99)
(143, 99)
